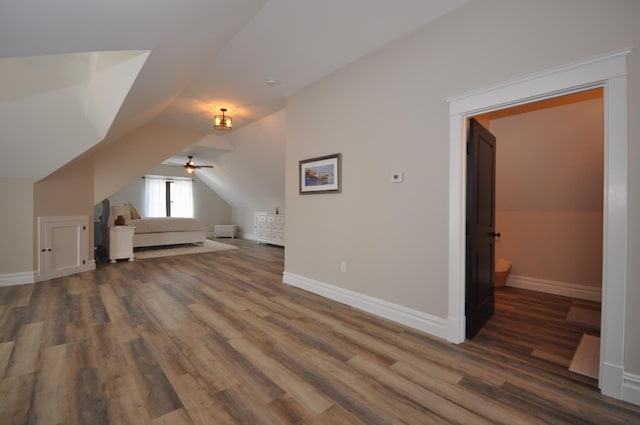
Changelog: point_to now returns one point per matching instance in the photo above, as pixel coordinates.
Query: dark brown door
(480, 252)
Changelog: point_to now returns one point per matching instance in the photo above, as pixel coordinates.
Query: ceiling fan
(190, 167)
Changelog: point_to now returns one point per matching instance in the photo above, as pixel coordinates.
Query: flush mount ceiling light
(222, 122)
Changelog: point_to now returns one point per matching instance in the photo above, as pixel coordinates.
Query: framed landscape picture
(320, 175)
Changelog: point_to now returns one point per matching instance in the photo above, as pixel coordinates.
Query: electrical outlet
(343, 267)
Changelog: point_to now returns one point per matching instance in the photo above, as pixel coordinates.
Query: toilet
(503, 268)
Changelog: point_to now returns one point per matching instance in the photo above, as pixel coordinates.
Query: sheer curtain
(154, 197)
(182, 198)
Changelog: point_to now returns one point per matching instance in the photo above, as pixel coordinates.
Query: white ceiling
(202, 55)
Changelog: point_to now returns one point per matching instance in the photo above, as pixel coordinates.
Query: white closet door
(62, 245)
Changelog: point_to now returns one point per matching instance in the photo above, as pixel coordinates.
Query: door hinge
(84, 262)
(84, 227)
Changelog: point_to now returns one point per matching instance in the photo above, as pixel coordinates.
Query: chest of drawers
(270, 228)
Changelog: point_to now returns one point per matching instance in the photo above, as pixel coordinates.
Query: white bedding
(155, 231)
(166, 224)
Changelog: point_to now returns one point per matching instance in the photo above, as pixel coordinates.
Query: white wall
(66, 191)
(251, 177)
(17, 227)
(210, 208)
(394, 236)
(632, 340)
(244, 218)
(549, 191)
(118, 163)
(557, 246)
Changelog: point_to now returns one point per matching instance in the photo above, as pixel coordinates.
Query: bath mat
(586, 360)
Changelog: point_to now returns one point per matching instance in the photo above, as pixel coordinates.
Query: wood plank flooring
(533, 328)
(216, 338)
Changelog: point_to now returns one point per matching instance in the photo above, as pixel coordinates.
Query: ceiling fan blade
(204, 166)
(173, 164)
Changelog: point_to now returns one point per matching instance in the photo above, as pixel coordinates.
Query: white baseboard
(90, 265)
(455, 334)
(25, 278)
(11, 279)
(611, 378)
(249, 236)
(631, 388)
(566, 289)
(415, 319)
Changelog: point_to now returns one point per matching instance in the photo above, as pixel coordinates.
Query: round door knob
(494, 234)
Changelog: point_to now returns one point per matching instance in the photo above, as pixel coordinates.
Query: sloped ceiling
(295, 43)
(177, 63)
(59, 106)
(253, 173)
(179, 39)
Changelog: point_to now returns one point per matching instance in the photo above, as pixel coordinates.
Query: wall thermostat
(396, 177)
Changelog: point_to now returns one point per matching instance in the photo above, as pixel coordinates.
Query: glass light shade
(222, 122)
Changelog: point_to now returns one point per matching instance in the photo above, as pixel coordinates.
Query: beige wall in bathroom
(549, 191)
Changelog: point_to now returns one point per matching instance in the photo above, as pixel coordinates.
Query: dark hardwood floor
(532, 328)
(217, 338)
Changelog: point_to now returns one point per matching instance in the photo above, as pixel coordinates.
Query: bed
(156, 231)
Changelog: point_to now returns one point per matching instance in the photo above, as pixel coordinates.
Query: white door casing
(610, 73)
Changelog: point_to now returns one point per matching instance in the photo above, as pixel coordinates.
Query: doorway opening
(548, 216)
(609, 73)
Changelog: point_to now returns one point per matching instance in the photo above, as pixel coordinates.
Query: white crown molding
(415, 319)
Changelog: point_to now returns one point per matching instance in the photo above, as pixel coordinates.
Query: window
(180, 198)
(168, 196)
(154, 197)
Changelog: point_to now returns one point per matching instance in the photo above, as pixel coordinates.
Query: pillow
(132, 211)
